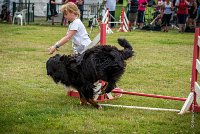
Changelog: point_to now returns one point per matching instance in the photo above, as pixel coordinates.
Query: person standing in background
(141, 12)
(53, 10)
(111, 6)
(182, 14)
(133, 11)
(167, 13)
(74, 1)
(192, 14)
(63, 22)
(80, 4)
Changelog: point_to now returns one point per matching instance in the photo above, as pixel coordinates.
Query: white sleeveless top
(167, 8)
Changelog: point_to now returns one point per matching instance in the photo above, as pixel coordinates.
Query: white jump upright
(106, 20)
(125, 24)
(192, 103)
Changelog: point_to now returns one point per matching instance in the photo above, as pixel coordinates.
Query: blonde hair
(70, 7)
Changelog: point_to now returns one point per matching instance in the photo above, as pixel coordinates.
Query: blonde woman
(76, 31)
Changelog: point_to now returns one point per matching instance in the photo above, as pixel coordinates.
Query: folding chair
(20, 17)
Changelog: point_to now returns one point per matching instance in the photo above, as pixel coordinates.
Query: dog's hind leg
(94, 103)
(83, 101)
(87, 94)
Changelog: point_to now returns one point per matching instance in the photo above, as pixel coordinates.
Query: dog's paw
(99, 107)
(83, 103)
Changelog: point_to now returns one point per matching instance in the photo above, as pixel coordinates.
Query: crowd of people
(108, 4)
(183, 13)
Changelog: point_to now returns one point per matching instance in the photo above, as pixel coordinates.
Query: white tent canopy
(40, 5)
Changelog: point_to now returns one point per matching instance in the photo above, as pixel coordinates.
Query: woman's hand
(52, 49)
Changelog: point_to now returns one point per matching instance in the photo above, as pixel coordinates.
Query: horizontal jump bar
(149, 95)
(144, 108)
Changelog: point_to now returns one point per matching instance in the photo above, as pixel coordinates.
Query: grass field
(32, 103)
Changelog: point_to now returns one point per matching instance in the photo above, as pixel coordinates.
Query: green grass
(32, 103)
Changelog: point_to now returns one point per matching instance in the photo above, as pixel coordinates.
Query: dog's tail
(128, 50)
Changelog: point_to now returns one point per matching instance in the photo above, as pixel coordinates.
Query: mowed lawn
(30, 102)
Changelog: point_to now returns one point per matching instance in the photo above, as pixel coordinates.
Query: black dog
(82, 71)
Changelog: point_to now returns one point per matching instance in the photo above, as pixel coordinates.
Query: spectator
(198, 15)
(157, 15)
(192, 14)
(182, 14)
(133, 6)
(167, 14)
(80, 4)
(5, 14)
(74, 1)
(111, 6)
(141, 11)
(63, 22)
(53, 9)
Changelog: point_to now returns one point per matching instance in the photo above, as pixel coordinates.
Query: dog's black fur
(82, 71)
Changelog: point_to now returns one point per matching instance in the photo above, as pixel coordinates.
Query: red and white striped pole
(195, 107)
(103, 34)
(122, 20)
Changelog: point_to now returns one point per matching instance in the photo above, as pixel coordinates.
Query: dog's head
(56, 69)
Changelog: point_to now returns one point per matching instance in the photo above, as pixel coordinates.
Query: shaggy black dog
(82, 71)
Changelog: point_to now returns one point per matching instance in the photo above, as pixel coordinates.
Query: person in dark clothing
(53, 9)
(192, 13)
(133, 11)
(80, 4)
(63, 22)
(5, 14)
(182, 14)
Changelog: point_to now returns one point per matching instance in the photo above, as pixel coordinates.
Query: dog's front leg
(94, 103)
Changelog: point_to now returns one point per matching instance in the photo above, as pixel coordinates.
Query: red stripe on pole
(103, 34)
(122, 20)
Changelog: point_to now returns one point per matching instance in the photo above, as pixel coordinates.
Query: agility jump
(125, 24)
(192, 103)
